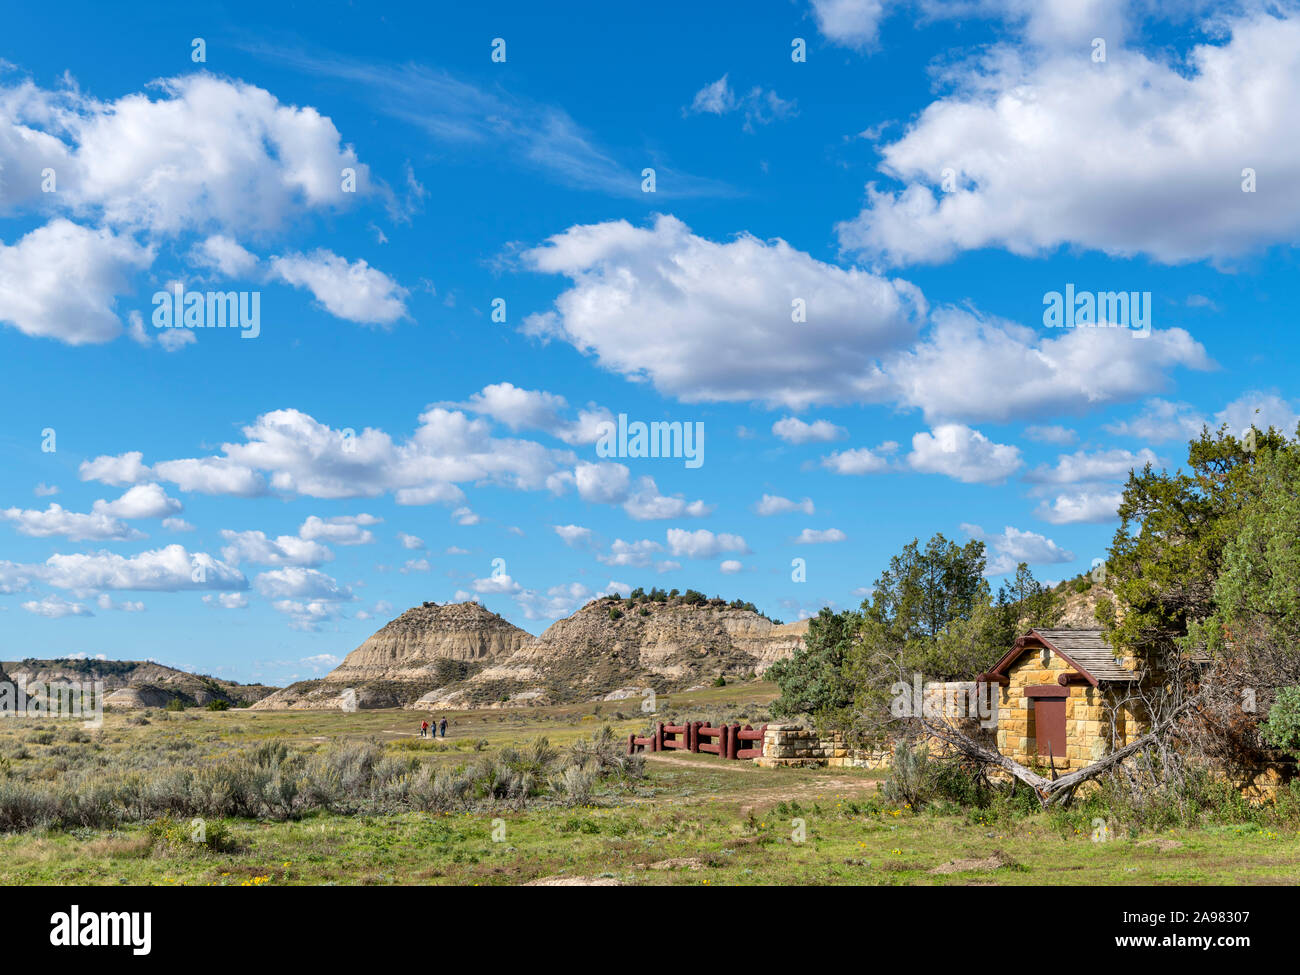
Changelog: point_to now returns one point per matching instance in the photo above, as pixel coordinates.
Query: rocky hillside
(425, 647)
(614, 647)
(462, 655)
(139, 683)
(1080, 607)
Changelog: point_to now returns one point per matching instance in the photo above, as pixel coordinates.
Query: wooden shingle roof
(1088, 651)
(1085, 650)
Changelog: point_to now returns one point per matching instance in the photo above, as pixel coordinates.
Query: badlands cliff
(408, 657)
(461, 655)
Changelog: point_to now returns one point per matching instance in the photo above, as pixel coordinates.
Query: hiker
(443, 727)
(424, 729)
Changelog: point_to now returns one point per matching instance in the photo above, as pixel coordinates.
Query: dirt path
(666, 759)
(762, 794)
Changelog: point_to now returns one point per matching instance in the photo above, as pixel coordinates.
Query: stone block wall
(792, 745)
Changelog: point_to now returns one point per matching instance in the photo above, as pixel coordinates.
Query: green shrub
(912, 776)
(1282, 729)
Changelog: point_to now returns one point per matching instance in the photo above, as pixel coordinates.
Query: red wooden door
(1049, 725)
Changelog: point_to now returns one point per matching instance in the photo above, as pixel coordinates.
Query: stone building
(1065, 699)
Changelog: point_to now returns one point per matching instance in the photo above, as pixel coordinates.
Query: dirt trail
(761, 793)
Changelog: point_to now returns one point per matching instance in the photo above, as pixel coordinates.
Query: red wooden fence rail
(668, 736)
(726, 741)
(749, 734)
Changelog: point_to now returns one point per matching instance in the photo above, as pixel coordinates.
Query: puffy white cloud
(61, 281)
(308, 615)
(134, 160)
(117, 471)
(660, 302)
(518, 408)
(1152, 132)
(793, 430)
(602, 483)
(255, 547)
(1261, 410)
(141, 501)
(465, 516)
(657, 303)
(57, 520)
(168, 569)
(177, 525)
(227, 600)
(637, 555)
(574, 536)
(15, 577)
(819, 536)
(56, 607)
(43, 490)
(105, 602)
(960, 370)
(647, 504)
(535, 409)
(211, 475)
(703, 544)
(1014, 546)
(341, 529)
(964, 454)
(771, 504)
(496, 584)
(297, 583)
(1160, 420)
(607, 482)
(305, 456)
(1090, 505)
(224, 255)
(356, 291)
(860, 460)
(557, 602)
(1100, 465)
(853, 23)
(410, 541)
(730, 567)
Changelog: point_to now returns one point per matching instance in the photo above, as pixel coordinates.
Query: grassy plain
(690, 820)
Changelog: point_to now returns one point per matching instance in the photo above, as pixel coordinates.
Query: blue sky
(256, 506)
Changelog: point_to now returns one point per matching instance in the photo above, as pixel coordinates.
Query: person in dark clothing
(442, 727)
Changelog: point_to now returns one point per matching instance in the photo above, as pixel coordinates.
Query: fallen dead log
(1049, 791)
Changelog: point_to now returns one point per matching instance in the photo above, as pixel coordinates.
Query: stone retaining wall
(792, 745)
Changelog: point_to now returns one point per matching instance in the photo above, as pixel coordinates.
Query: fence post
(631, 744)
(659, 737)
(693, 734)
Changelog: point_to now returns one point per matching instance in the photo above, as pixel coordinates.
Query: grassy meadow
(333, 798)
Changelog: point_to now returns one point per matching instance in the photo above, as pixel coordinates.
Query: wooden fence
(726, 741)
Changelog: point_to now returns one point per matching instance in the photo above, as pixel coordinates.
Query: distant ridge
(461, 655)
(425, 646)
(131, 684)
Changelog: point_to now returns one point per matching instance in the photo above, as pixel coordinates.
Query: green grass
(842, 846)
(733, 821)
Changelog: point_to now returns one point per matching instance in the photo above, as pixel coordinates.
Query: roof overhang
(1035, 640)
